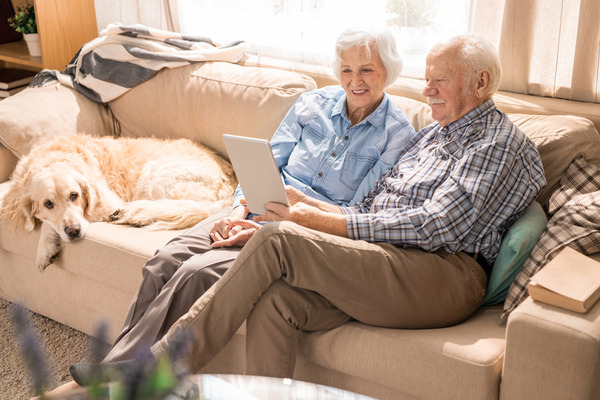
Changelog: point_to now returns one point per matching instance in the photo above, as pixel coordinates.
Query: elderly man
(413, 254)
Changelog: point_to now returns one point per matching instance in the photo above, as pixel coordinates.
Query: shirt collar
(475, 114)
(377, 118)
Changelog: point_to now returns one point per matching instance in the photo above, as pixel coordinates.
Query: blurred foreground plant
(29, 344)
(145, 378)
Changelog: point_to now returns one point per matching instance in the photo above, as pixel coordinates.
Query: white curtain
(547, 47)
(152, 13)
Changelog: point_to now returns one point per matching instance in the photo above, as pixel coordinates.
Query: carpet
(61, 345)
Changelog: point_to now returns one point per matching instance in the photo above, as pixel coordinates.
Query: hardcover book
(15, 77)
(571, 280)
(9, 92)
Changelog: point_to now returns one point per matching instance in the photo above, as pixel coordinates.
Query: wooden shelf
(16, 53)
(63, 25)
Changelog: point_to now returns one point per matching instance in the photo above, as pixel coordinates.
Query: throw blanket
(575, 222)
(125, 56)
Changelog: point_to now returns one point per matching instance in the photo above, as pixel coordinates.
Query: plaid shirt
(456, 188)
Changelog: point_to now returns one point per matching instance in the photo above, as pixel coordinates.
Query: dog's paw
(49, 247)
(44, 262)
(115, 216)
(128, 216)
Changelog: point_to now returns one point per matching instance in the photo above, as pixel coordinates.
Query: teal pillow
(516, 246)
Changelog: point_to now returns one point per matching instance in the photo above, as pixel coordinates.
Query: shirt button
(320, 174)
(333, 154)
(346, 137)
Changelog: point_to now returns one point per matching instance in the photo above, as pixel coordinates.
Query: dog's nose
(73, 231)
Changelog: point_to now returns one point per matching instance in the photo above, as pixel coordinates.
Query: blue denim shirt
(320, 154)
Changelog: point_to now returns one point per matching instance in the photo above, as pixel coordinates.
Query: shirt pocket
(306, 155)
(355, 168)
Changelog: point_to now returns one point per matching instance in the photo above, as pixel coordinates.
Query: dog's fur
(68, 181)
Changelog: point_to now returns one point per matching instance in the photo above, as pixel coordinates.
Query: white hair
(382, 39)
(477, 54)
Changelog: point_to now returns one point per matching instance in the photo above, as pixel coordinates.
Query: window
(304, 31)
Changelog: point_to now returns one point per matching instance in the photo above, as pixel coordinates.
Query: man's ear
(27, 206)
(483, 84)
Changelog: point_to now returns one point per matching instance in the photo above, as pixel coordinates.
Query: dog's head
(59, 196)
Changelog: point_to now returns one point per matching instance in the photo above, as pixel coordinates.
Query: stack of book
(13, 80)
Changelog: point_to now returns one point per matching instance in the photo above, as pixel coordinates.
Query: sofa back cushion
(417, 112)
(54, 109)
(204, 101)
(559, 139)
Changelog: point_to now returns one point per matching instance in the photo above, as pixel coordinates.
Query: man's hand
(308, 212)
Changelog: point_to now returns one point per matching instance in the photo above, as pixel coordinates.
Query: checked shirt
(456, 188)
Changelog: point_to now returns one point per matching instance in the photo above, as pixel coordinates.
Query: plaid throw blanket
(575, 222)
(125, 56)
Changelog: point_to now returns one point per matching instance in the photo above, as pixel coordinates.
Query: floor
(61, 346)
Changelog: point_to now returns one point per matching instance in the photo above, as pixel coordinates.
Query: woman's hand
(232, 232)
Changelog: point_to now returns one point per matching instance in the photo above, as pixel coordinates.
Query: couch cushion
(417, 112)
(559, 139)
(50, 110)
(516, 246)
(459, 362)
(203, 101)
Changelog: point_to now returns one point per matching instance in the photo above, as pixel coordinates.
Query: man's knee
(280, 302)
(279, 230)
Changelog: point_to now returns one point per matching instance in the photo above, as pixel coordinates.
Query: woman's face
(363, 79)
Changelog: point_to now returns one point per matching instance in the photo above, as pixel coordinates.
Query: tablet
(256, 171)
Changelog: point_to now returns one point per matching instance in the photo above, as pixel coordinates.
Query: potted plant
(412, 18)
(24, 22)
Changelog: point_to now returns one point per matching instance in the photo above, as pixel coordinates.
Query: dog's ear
(88, 192)
(28, 210)
(17, 206)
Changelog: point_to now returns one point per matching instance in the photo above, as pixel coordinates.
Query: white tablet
(257, 171)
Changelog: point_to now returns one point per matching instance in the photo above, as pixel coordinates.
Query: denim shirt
(320, 154)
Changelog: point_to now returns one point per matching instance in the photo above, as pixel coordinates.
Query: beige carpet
(62, 345)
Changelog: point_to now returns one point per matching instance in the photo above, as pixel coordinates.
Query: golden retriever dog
(68, 181)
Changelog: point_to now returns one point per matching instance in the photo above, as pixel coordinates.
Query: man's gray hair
(383, 41)
(478, 54)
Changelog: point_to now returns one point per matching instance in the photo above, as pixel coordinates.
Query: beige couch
(543, 352)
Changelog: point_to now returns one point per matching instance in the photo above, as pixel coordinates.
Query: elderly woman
(333, 145)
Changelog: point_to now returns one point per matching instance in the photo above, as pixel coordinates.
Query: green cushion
(514, 250)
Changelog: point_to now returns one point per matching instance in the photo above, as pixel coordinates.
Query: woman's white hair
(382, 39)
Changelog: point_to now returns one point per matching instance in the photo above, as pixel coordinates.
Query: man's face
(448, 92)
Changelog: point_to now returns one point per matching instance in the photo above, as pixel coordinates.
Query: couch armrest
(551, 353)
(8, 161)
